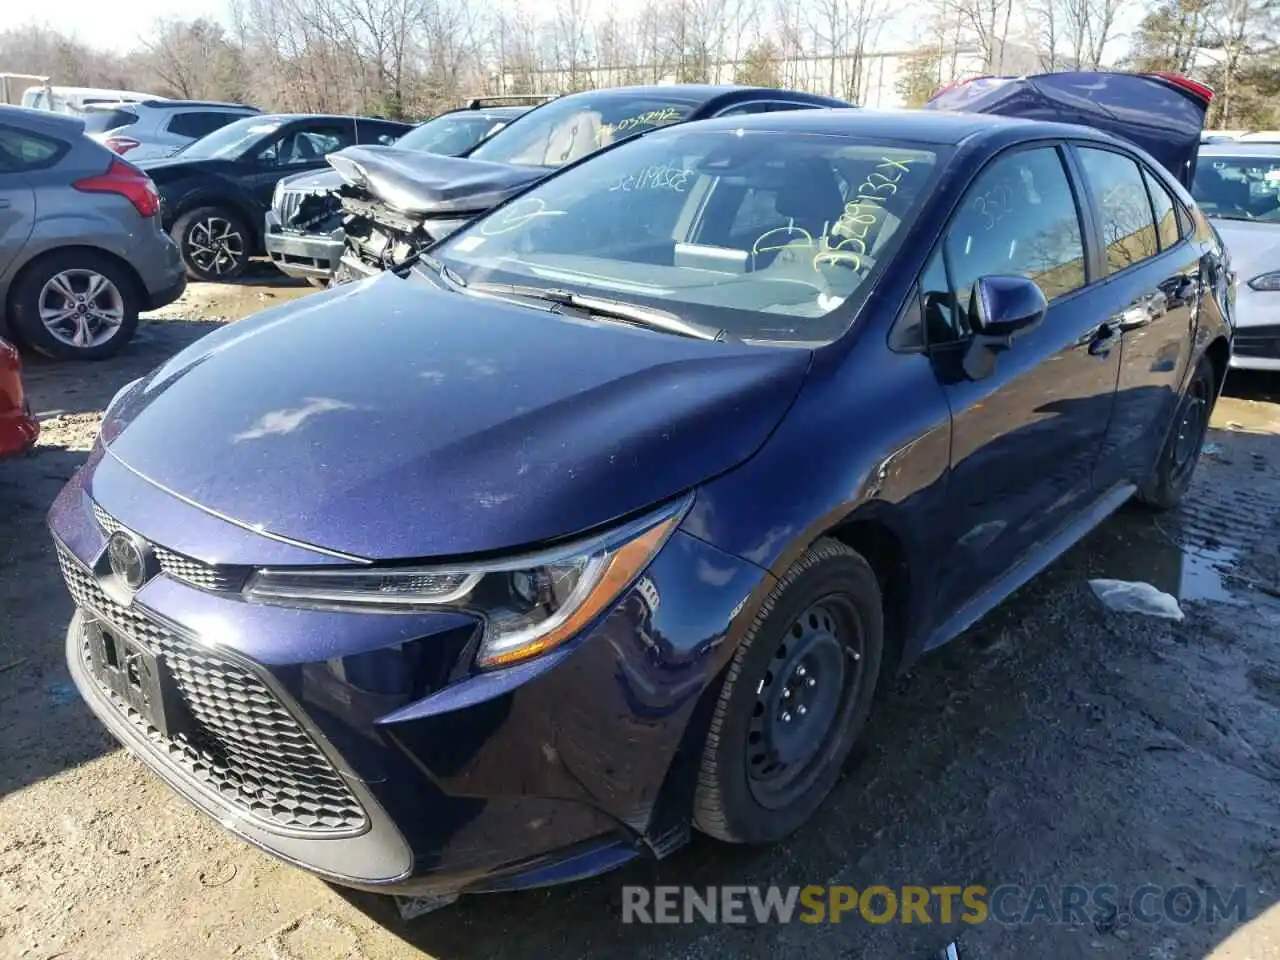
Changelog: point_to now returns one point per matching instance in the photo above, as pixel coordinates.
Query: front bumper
(1256, 347)
(303, 255)
(444, 780)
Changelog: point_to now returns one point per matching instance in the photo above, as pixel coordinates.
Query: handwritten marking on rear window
(861, 213)
(658, 176)
(519, 214)
(633, 124)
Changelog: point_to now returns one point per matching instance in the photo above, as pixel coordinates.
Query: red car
(18, 428)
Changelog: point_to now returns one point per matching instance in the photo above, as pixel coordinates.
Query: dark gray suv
(82, 250)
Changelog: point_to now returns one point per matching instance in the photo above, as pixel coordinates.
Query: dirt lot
(1056, 743)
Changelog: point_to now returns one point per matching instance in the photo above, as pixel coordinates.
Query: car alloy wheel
(81, 308)
(801, 699)
(215, 245)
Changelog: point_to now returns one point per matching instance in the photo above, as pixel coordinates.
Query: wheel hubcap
(801, 701)
(81, 308)
(215, 245)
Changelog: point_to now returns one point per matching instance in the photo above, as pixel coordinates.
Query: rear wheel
(214, 242)
(1171, 477)
(798, 692)
(75, 305)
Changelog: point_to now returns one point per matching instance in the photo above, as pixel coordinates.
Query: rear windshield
(566, 130)
(771, 236)
(1238, 188)
(100, 121)
(450, 135)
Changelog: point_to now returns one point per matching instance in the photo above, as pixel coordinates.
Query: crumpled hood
(392, 419)
(428, 184)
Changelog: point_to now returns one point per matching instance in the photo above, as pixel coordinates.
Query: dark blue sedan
(607, 519)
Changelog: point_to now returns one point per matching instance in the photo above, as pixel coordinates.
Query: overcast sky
(107, 26)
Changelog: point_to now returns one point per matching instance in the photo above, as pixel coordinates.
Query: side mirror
(1004, 307)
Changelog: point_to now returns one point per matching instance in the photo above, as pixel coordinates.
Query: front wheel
(214, 242)
(798, 692)
(1172, 474)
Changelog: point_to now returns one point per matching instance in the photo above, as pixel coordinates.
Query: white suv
(151, 129)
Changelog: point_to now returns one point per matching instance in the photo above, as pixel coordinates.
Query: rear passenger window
(21, 151)
(1128, 225)
(1020, 217)
(1167, 226)
(200, 123)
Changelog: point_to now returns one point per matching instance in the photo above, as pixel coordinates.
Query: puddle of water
(1131, 548)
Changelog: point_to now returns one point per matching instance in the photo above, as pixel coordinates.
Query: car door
(1027, 433)
(1153, 277)
(20, 153)
(297, 147)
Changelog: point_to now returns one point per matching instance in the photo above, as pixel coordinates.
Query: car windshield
(1238, 188)
(568, 129)
(230, 142)
(767, 235)
(450, 135)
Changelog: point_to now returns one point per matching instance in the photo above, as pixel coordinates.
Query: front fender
(868, 439)
(184, 195)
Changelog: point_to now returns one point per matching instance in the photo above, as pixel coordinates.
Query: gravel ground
(1056, 743)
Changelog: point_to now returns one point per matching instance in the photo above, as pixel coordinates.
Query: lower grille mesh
(245, 745)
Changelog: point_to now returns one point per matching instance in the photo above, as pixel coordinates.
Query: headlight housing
(529, 604)
(1266, 282)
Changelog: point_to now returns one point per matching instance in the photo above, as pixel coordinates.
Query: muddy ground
(1056, 743)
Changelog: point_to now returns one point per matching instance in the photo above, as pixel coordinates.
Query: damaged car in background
(304, 235)
(396, 202)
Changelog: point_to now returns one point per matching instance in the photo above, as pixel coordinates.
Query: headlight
(529, 604)
(277, 194)
(1266, 281)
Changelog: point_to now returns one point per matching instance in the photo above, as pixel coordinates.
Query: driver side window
(1019, 217)
(304, 146)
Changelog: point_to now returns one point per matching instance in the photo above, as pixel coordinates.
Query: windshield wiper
(650, 317)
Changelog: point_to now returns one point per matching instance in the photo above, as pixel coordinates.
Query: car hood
(1254, 246)
(164, 169)
(429, 184)
(313, 181)
(392, 419)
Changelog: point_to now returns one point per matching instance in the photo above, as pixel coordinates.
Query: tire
(215, 243)
(816, 646)
(1171, 476)
(76, 305)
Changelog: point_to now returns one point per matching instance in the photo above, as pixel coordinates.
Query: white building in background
(871, 79)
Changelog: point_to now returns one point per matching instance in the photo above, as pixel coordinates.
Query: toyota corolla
(606, 519)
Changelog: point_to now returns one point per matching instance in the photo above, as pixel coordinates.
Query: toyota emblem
(127, 555)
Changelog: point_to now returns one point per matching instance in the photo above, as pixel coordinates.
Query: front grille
(287, 203)
(182, 568)
(243, 743)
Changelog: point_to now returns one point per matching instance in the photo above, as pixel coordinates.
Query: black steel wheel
(797, 694)
(1172, 474)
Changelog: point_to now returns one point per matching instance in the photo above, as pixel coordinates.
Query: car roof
(160, 103)
(497, 113)
(1241, 148)
(290, 117)
(49, 122)
(938, 127)
(692, 92)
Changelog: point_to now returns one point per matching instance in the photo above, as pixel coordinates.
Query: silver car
(1237, 185)
(82, 251)
(152, 129)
